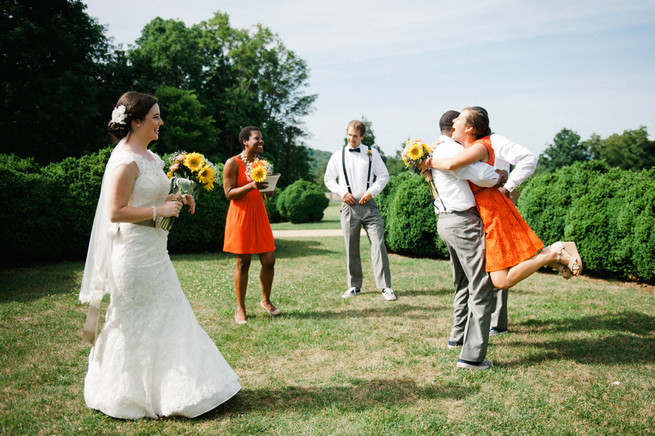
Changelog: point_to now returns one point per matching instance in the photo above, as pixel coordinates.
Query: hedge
(410, 221)
(32, 212)
(303, 202)
(48, 212)
(609, 213)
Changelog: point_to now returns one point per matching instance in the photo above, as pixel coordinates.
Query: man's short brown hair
(357, 125)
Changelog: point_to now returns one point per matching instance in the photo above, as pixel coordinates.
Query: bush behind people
(610, 213)
(58, 202)
(303, 202)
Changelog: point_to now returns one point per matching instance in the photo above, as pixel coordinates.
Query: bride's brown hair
(137, 105)
(478, 118)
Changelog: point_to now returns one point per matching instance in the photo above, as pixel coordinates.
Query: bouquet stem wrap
(180, 186)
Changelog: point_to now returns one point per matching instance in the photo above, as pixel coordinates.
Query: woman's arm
(121, 186)
(230, 182)
(475, 153)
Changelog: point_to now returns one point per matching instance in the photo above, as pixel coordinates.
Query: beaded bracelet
(154, 213)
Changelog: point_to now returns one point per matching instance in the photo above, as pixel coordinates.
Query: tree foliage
(239, 78)
(631, 150)
(211, 79)
(565, 150)
(54, 95)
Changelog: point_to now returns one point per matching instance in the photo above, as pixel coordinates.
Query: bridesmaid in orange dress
(247, 229)
(513, 250)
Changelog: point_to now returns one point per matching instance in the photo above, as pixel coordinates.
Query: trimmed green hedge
(303, 202)
(609, 213)
(48, 212)
(409, 219)
(205, 229)
(33, 212)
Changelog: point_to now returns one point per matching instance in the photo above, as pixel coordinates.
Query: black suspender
(370, 161)
(343, 163)
(345, 174)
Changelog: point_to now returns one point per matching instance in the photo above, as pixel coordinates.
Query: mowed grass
(331, 220)
(580, 358)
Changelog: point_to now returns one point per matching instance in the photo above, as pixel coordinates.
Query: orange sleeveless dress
(247, 229)
(509, 240)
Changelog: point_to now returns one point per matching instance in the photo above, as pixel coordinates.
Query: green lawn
(331, 220)
(580, 358)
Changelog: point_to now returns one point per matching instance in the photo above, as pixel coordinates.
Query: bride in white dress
(152, 358)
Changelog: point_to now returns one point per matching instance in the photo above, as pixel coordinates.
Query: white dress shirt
(357, 170)
(454, 191)
(508, 152)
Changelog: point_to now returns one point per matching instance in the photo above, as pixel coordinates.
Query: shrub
(409, 218)
(31, 209)
(592, 222)
(79, 183)
(303, 202)
(204, 230)
(609, 213)
(637, 221)
(274, 215)
(546, 198)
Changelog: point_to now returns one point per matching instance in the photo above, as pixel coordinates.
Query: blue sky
(536, 66)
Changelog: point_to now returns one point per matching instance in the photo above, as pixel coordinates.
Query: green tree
(632, 150)
(565, 150)
(185, 126)
(167, 54)
(240, 78)
(54, 93)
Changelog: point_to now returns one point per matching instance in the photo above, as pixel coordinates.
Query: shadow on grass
(360, 395)
(428, 292)
(627, 338)
(292, 248)
(393, 309)
(25, 284)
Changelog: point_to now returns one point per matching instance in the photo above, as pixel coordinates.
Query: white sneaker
(485, 364)
(351, 293)
(388, 294)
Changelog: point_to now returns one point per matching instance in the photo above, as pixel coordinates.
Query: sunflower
(415, 151)
(258, 173)
(206, 175)
(194, 161)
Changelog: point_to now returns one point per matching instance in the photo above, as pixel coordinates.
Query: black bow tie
(356, 150)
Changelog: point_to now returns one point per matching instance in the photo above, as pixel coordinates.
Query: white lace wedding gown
(151, 358)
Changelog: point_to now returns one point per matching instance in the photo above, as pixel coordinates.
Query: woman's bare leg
(266, 278)
(509, 277)
(241, 284)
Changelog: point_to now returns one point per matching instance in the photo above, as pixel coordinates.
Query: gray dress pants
(463, 235)
(499, 314)
(353, 218)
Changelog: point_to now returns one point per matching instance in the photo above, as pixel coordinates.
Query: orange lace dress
(509, 240)
(247, 229)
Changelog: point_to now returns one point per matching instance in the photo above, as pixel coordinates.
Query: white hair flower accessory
(118, 115)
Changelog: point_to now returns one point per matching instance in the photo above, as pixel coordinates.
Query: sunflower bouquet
(188, 172)
(258, 170)
(415, 152)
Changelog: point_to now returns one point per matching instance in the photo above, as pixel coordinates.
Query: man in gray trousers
(460, 227)
(357, 174)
